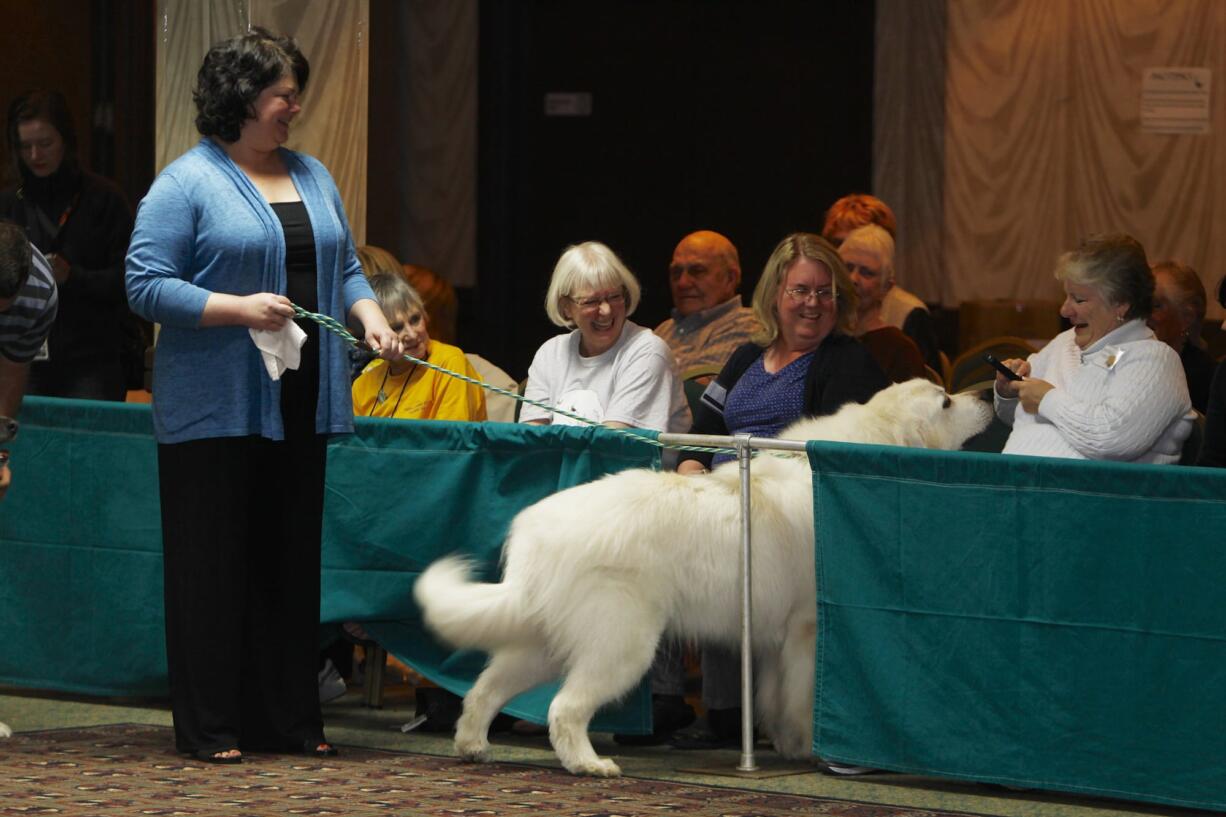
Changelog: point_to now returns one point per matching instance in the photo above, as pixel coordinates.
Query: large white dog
(595, 575)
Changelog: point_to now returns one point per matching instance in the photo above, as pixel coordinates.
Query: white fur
(595, 575)
(5, 732)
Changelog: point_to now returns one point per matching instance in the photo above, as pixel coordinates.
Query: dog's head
(916, 413)
(927, 417)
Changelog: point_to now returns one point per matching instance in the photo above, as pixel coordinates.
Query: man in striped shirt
(708, 322)
(28, 301)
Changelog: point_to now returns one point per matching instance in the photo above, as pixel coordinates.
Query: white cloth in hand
(281, 349)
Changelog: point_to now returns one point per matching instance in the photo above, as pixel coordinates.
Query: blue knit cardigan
(204, 228)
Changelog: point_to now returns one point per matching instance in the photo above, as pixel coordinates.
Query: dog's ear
(926, 402)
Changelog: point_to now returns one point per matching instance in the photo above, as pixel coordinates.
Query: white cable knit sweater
(1125, 398)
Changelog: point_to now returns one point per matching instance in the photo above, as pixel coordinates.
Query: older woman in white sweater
(1106, 389)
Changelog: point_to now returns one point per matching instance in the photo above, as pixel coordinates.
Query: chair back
(498, 407)
(694, 381)
(523, 384)
(970, 367)
(693, 394)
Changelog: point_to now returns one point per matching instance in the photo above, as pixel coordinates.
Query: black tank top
(300, 388)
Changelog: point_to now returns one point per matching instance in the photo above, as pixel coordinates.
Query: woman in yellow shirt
(408, 390)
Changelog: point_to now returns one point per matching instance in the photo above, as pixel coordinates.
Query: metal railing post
(744, 454)
(744, 445)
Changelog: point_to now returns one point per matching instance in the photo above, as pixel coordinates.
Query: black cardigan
(1213, 449)
(841, 371)
(93, 306)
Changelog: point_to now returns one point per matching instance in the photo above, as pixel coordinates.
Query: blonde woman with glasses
(607, 368)
(804, 362)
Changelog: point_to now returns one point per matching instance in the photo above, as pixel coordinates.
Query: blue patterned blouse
(762, 404)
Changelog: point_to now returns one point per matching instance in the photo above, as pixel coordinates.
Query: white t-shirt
(635, 382)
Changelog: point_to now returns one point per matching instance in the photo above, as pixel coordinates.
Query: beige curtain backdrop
(332, 35)
(1008, 130)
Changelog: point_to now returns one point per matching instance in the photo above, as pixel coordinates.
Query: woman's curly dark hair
(233, 74)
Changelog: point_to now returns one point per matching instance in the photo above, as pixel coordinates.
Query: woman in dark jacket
(81, 222)
(805, 361)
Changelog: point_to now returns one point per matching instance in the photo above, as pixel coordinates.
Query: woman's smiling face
(275, 109)
(805, 305)
(1089, 313)
(599, 316)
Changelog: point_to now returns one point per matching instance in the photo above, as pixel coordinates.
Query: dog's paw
(600, 767)
(473, 751)
(5, 732)
(793, 746)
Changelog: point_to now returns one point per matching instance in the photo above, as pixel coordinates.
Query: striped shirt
(26, 322)
(708, 338)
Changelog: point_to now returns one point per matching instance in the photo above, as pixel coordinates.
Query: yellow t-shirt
(421, 393)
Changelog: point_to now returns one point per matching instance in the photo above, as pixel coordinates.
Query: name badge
(714, 397)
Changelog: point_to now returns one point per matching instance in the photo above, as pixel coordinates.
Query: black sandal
(218, 756)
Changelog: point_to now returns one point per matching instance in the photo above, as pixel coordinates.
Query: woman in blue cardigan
(229, 234)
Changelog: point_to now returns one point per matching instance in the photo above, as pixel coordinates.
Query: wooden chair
(699, 372)
(970, 367)
(979, 320)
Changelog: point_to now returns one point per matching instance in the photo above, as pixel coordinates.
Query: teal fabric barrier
(1026, 621)
(81, 552)
(401, 495)
(80, 538)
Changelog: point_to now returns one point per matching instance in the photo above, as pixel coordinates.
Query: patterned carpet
(132, 769)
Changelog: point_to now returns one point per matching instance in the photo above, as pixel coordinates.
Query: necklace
(382, 396)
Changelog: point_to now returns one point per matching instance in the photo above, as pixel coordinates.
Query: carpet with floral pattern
(125, 769)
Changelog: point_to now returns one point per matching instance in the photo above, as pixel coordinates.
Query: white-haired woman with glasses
(607, 368)
(804, 362)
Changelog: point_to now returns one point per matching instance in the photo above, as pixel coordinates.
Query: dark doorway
(745, 118)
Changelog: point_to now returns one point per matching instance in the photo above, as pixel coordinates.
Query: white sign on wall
(1175, 100)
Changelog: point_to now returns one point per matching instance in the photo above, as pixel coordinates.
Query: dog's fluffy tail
(468, 614)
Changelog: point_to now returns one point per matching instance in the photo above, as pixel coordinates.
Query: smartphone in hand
(1000, 367)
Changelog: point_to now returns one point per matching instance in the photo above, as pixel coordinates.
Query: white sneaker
(846, 768)
(331, 684)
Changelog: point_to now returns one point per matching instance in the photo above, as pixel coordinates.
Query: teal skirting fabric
(1027, 621)
(80, 538)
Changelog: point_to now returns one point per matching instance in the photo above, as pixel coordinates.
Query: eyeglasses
(593, 303)
(802, 295)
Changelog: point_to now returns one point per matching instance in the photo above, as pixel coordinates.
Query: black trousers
(241, 520)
